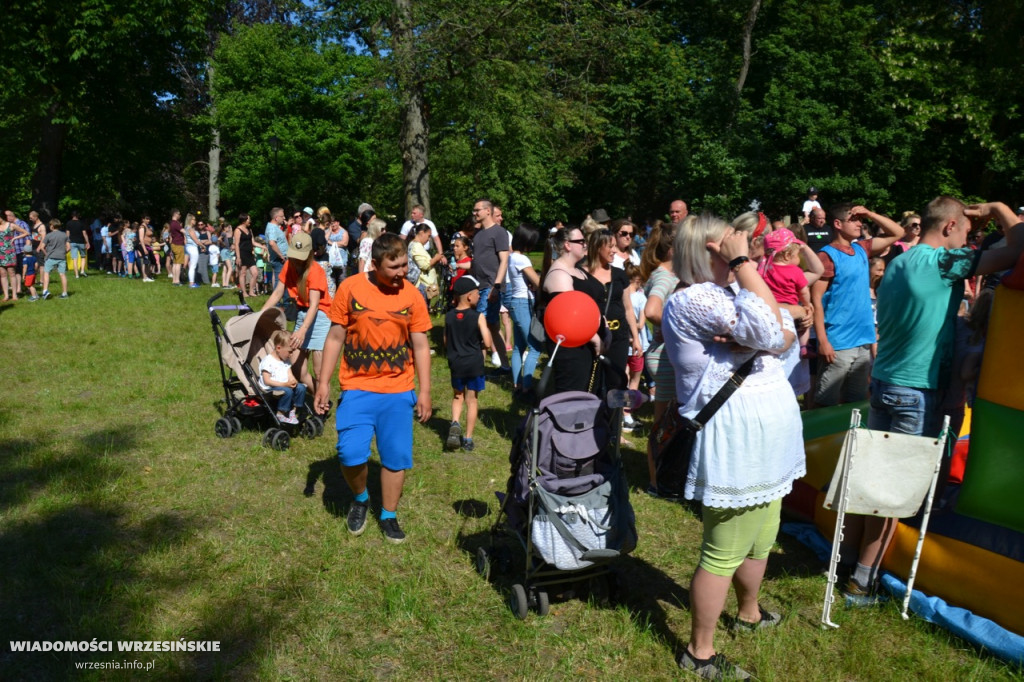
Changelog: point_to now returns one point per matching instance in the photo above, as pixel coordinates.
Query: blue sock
(363, 497)
(385, 514)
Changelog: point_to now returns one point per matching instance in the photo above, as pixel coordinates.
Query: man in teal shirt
(918, 301)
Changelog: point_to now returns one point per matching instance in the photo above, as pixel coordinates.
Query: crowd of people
(886, 310)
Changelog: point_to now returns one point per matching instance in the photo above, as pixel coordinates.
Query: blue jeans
(519, 309)
(901, 409)
(293, 397)
(489, 309)
(277, 266)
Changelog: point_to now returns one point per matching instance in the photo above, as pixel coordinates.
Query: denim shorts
(60, 263)
(902, 409)
(361, 415)
(77, 250)
(317, 334)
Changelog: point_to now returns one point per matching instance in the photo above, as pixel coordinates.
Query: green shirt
(918, 301)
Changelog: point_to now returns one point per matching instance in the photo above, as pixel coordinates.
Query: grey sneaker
(357, 517)
(392, 533)
(715, 668)
(46, 295)
(769, 619)
(64, 295)
(454, 437)
(467, 444)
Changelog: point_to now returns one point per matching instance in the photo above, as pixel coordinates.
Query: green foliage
(317, 99)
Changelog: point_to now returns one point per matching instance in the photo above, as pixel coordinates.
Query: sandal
(769, 619)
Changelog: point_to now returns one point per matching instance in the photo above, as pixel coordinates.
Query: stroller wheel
(281, 440)
(520, 606)
(543, 605)
(268, 437)
(318, 422)
(483, 563)
(236, 424)
(308, 428)
(224, 428)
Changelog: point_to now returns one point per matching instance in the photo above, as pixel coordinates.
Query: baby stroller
(242, 342)
(567, 499)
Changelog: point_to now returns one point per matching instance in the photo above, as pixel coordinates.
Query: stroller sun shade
(247, 340)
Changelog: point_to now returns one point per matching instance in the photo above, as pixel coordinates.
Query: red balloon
(573, 316)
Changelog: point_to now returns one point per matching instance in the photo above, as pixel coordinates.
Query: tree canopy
(550, 107)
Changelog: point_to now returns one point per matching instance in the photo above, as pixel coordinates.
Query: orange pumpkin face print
(381, 342)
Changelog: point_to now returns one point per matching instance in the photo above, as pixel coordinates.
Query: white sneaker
(215, 286)
(628, 423)
(495, 360)
(147, 279)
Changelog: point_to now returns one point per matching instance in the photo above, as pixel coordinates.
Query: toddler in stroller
(244, 342)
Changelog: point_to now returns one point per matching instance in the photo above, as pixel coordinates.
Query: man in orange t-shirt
(379, 330)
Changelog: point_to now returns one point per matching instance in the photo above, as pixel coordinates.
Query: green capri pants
(732, 535)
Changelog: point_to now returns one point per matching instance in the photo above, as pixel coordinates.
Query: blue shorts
(489, 309)
(77, 250)
(317, 334)
(468, 383)
(361, 415)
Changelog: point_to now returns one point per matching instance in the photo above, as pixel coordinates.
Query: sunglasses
(577, 241)
(625, 234)
(917, 225)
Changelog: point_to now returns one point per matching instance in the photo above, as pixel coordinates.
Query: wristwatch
(737, 262)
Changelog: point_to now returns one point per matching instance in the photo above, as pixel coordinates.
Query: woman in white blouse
(750, 452)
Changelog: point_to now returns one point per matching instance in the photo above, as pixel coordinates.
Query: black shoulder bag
(673, 438)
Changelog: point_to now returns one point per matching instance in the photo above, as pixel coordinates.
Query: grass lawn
(122, 517)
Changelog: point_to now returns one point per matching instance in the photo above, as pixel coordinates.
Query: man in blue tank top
(844, 322)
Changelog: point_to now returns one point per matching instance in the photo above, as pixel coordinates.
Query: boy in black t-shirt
(466, 335)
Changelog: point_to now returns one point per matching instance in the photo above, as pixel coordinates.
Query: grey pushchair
(566, 500)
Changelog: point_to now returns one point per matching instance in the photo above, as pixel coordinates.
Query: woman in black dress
(244, 257)
(574, 369)
(616, 308)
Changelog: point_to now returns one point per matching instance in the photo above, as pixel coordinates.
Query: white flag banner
(889, 473)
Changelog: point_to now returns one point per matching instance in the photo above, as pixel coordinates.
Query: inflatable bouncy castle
(971, 574)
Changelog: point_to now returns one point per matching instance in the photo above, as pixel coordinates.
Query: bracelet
(735, 263)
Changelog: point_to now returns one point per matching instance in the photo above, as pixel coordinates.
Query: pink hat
(779, 239)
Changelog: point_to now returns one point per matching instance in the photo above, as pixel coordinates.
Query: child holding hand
(276, 375)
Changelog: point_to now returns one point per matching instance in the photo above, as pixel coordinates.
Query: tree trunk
(214, 186)
(748, 34)
(47, 176)
(413, 140)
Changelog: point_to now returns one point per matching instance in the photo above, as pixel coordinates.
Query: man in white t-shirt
(416, 218)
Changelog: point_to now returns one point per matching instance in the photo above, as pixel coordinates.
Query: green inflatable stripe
(824, 421)
(994, 477)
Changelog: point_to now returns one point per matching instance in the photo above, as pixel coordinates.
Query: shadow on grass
(631, 582)
(79, 564)
(336, 495)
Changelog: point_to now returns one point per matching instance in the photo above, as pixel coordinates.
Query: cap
(600, 215)
(1020, 210)
(812, 190)
(307, 211)
(300, 246)
(364, 207)
(465, 284)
